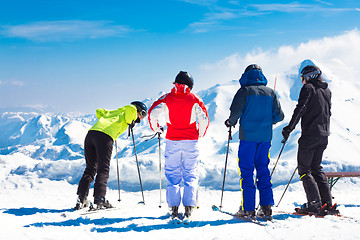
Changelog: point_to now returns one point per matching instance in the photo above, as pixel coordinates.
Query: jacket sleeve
(202, 117)
(155, 112)
(130, 114)
(306, 94)
(100, 112)
(237, 106)
(278, 114)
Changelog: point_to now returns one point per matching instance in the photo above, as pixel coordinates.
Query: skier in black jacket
(314, 110)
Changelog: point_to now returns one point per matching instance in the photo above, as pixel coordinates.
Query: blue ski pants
(181, 163)
(254, 155)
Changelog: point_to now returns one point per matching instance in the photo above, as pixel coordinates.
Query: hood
(319, 83)
(180, 89)
(253, 77)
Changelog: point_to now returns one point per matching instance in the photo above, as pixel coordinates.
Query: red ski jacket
(185, 114)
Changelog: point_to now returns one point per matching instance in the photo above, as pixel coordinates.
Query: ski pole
(287, 186)
(226, 159)
(277, 160)
(159, 166)
(137, 164)
(117, 166)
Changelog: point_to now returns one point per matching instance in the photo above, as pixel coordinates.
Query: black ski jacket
(314, 109)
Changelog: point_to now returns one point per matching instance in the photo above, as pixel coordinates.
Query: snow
(41, 162)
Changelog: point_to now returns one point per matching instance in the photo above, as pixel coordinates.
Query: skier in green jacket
(98, 150)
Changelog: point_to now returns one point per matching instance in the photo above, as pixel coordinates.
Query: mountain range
(51, 145)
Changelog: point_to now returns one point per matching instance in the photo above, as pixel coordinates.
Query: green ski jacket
(114, 122)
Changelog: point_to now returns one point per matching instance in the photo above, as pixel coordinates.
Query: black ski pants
(315, 183)
(98, 149)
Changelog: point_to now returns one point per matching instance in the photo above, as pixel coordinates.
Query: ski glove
(132, 125)
(286, 133)
(160, 130)
(227, 123)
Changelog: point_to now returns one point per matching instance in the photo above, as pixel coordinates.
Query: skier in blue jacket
(257, 108)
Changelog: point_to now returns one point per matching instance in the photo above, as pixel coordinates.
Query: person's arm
(305, 96)
(202, 117)
(278, 114)
(237, 107)
(155, 111)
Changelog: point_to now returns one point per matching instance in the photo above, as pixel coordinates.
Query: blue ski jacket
(257, 107)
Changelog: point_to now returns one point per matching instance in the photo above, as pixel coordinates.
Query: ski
(96, 210)
(215, 208)
(186, 220)
(316, 215)
(175, 220)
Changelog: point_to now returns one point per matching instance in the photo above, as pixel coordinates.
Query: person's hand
(286, 133)
(160, 130)
(227, 123)
(132, 125)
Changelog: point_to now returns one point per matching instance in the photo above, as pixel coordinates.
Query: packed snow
(41, 162)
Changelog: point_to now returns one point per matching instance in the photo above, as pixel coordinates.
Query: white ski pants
(181, 163)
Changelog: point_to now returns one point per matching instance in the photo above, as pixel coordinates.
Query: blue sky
(66, 56)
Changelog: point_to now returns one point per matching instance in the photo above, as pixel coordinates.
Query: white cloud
(13, 83)
(221, 14)
(63, 30)
(339, 54)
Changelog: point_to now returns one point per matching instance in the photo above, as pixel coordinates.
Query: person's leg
(305, 157)
(190, 172)
(173, 172)
(319, 175)
(104, 145)
(246, 157)
(264, 185)
(91, 166)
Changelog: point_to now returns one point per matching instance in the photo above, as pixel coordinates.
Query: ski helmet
(185, 78)
(253, 66)
(310, 72)
(141, 108)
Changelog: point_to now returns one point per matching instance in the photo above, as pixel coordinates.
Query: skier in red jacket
(186, 119)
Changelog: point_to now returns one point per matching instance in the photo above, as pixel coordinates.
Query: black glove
(137, 120)
(132, 125)
(286, 133)
(227, 123)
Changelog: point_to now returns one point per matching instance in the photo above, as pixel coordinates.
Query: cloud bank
(339, 54)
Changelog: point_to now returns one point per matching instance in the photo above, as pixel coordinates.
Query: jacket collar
(180, 89)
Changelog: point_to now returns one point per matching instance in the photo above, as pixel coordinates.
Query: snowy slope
(41, 162)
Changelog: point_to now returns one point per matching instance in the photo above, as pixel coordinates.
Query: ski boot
(265, 212)
(101, 203)
(174, 214)
(331, 209)
(187, 215)
(246, 214)
(81, 203)
(310, 208)
(188, 211)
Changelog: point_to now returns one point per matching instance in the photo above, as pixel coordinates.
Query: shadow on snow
(33, 211)
(132, 226)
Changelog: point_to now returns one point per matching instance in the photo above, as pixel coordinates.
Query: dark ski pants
(255, 155)
(315, 183)
(98, 148)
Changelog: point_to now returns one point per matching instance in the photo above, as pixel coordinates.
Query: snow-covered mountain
(54, 143)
